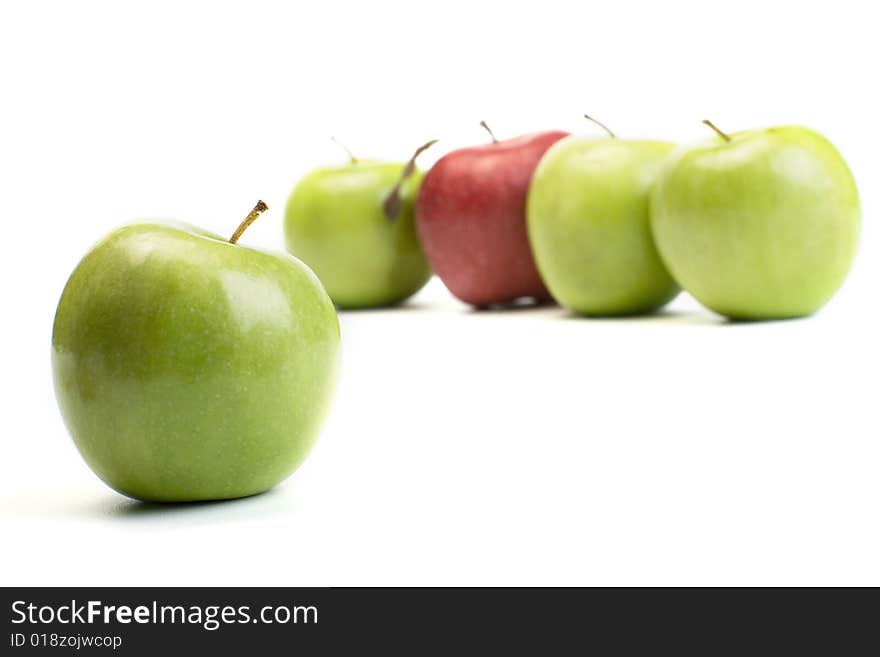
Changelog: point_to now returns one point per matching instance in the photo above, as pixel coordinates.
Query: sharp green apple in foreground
(589, 226)
(761, 224)
(188, 367)
(353, 224)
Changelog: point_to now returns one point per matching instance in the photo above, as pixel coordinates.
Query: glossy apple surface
(471, 220)
(336, 224)
(588, 221)
(763, 226)
(188, 368)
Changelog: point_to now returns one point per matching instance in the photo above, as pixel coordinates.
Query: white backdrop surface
(516, 447)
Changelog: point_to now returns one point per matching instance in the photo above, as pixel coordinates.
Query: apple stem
(394, 202)
(259, 209)
(346, 149)
(486, 127)
(722, 134)
(601, 125)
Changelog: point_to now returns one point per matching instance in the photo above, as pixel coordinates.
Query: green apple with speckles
(761, 224)
(354, 226)
(589, 226)
(188, 367)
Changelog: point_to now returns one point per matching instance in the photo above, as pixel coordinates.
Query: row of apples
(758, 224)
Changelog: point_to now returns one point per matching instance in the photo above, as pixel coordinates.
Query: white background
(521, 447)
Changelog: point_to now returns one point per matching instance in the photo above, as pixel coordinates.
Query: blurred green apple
(188, 367)
(589, 227)
(761, 224)
(354, 225)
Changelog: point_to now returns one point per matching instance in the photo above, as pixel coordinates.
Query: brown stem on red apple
(723, 135)
(259, 209)
(393, 203)
(346, 149)
(601, 125)
(486, 127)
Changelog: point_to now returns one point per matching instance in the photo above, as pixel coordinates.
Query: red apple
(471, 220)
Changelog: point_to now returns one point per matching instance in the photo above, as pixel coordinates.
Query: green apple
(188, 367)
(589, 226)
(761, 224)
(354, 225)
